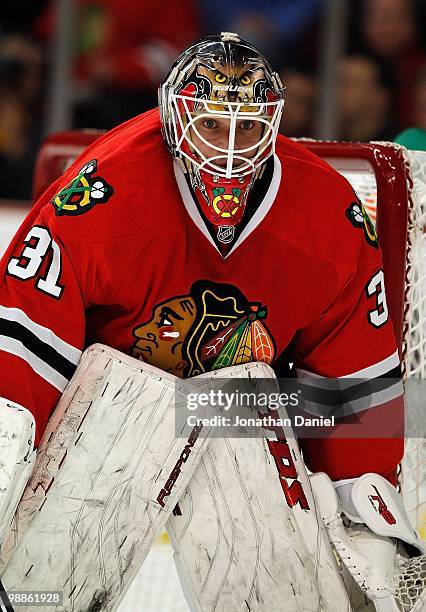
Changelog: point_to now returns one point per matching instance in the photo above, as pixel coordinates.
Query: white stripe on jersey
(14, 347)
(373, 371)
(43, 333)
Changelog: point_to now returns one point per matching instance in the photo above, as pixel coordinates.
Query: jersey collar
(255, 220)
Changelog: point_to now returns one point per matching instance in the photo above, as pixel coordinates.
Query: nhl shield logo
(225, 233)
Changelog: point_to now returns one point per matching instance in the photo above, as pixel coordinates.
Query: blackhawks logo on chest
(211, 327)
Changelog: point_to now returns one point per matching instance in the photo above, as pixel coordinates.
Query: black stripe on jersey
(362, 388)
(42, 350)
(394, 373)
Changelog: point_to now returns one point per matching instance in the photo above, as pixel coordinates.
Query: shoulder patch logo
(83, 192)
(359, 218)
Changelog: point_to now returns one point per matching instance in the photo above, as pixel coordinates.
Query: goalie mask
(220, 108)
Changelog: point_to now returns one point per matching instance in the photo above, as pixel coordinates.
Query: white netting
(413, 474)
(410, 584)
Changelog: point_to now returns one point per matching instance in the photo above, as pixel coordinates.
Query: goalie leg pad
(17, 456)
(91, 512)
(238, 543)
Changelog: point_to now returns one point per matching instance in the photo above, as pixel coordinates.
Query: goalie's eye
(246, 125)
(245, 79)
(210, 124)
(220, 78)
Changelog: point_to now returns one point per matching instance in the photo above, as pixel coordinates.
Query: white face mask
(226, 139)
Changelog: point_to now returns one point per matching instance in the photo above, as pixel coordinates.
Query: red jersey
(116, 252)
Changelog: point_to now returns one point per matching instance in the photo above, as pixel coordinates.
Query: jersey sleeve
(41, 318)
(354, 339)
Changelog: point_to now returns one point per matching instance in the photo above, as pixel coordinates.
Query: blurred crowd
(123, 48)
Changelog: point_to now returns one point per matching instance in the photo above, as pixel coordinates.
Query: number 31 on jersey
(40, 247)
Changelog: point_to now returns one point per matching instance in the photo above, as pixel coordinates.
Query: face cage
(268, 113)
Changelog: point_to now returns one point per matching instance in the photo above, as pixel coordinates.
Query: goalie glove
(368, 546)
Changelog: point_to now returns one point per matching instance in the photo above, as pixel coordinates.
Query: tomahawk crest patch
(359, 218)
(83, 192)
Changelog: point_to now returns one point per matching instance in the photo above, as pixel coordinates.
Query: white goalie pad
(92, 509)
(17, 456)
(246, 533)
